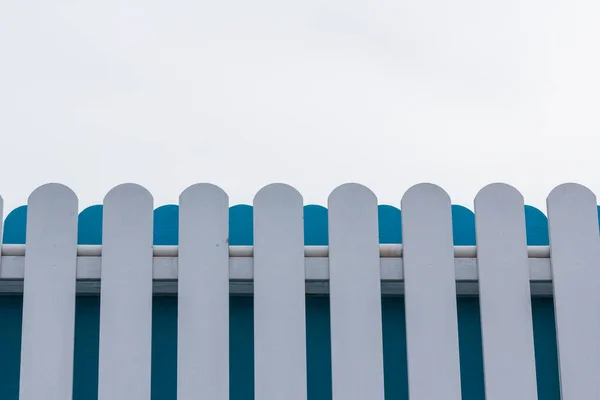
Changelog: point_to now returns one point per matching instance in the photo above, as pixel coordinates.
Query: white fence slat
(430, 295)
(575, 258)
(279, 295)
(355, 295)
(504, 294)
(49, 294)
(126, 295)
(203, 294)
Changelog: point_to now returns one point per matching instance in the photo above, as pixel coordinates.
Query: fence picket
(575, 258)
(279, 294)
(505, 298)
(126, 295)
(430, 290)
(49, 295)
(203, 294)
(355, 295)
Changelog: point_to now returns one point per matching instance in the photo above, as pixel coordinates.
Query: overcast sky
(314, 93)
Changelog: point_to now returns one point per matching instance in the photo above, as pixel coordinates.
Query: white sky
(313, 93)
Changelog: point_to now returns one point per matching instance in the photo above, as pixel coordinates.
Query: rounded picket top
(425, 195)
(277, 193)
(352, 193)
(500, 218)
(128, 210)
(203, 192)
(426, 223)
(572, 215)
(277, 207)
(129, 194)
(52, 217)
(572, 195)
(55, 196)
(498, 193)
(353, 222)
(499, 206)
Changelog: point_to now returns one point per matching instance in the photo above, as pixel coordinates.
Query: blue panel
(240, 225)
(90, 226)
(315, 226)
(393, 319)
(318, 352)
(164, 348)
(544, 333)
(390, 225)
(15, 225)
(241, 318)
(469, 324)
(164, 313)
(10, 345)
(463, 226)
(166, 225)
(546, 357)
(87, 339)
(394, 348)
(471, 357)
(87, 316)
(537, 227)
(241, 347)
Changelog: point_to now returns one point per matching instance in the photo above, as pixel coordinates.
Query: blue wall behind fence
(164, 330)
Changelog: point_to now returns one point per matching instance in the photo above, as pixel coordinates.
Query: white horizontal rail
(241, 275)
(385, 251)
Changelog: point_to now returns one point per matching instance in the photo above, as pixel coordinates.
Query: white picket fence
(279, 270)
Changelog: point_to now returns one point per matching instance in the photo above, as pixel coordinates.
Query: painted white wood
(355, 295)
(279, 302)
(49, 294)
(203, 301)
(126, 295)
(430, 295)
(504, 294)
(575, 258)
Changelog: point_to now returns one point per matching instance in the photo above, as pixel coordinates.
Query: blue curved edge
(164, 348)
(166, 223)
